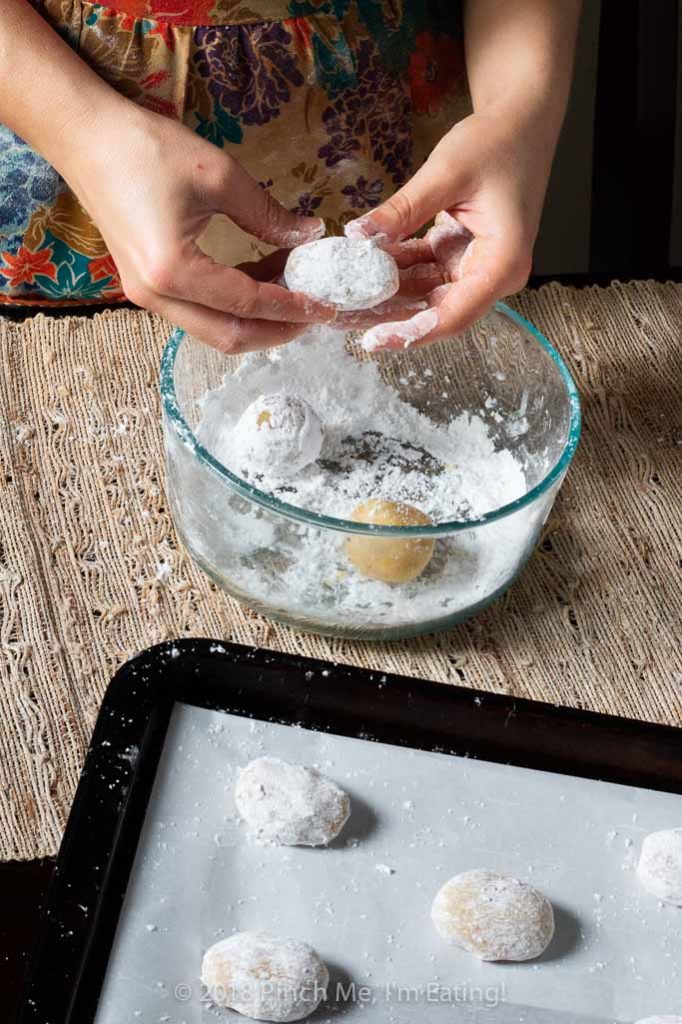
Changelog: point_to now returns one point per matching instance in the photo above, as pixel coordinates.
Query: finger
(416, 283)
(492, 269)
(394, 310)
(224, 332)
(255, 209)
(409, 252)
(449, 241)
(400, 334)
(207, 283)
(421, 279)
(267, 268)
(430, 190)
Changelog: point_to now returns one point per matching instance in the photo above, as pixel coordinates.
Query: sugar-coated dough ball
(660, 865)
(278, 435)
(348, 273)
(265, 977)
(493, 916)
(661, 1020)
(390, 559)
(287, 804)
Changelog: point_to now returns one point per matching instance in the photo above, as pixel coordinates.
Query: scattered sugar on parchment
(375, 445)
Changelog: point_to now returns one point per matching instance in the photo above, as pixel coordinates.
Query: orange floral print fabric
(330, 104)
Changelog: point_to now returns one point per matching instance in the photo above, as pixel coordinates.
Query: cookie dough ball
(287, 804)
(660, 865)
(390, 559)
(348, 273)
(493, 916)
(278, 435)
(265, 977)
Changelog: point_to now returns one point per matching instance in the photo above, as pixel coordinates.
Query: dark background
(614, 206)
(614, 210)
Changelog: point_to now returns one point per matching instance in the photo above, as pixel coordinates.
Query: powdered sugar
(375, 444)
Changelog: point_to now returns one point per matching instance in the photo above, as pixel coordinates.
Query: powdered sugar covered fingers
(409, 252)
(449, 241)
(229, 290)
(396, 309)
(490, 268)
(418, 328)
(419, 280)
(453, 308)
(416, 284)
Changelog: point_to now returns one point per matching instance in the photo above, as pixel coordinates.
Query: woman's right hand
(151, 186)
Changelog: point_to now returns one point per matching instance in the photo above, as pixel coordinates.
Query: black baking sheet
(113, 797)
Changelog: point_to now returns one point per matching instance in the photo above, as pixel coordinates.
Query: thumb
(424, 195)
(255, 210)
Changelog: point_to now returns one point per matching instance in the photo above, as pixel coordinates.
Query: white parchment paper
(364, 904)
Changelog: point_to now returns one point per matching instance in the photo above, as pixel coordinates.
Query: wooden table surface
(23, 885)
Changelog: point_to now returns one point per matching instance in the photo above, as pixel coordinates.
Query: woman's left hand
(484, 183)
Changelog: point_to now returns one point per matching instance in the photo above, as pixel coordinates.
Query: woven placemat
(86, 539)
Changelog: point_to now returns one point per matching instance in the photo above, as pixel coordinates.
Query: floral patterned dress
(331, 104)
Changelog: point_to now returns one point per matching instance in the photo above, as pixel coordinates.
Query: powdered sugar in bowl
(466, 443)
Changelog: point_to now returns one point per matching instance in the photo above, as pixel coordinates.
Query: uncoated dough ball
(493, 916)
(278, 435)
(390, 559)
(287, 804)
(264, 976)
(660, 865)
(348, 273)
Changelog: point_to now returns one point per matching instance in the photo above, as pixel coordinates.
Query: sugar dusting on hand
(405, 331)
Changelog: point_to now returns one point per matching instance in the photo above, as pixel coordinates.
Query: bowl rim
(186, 435)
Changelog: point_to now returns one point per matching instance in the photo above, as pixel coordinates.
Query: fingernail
(446, 218)
(363, 227)
(406, 331)
(299, 236)
(318, 228)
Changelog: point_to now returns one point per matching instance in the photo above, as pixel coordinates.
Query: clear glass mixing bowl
(254, 544)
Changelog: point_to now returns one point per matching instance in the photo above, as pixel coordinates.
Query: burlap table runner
(86, 542)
